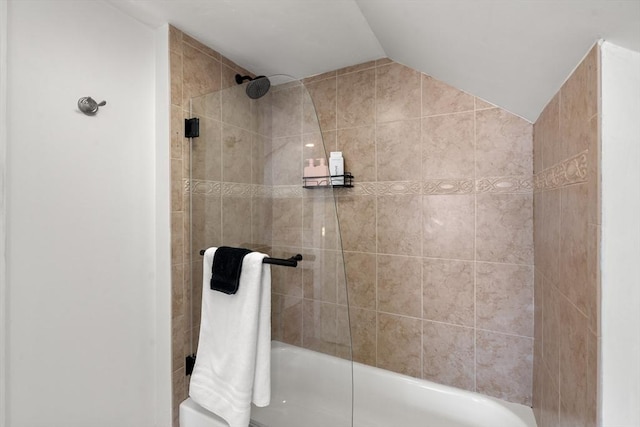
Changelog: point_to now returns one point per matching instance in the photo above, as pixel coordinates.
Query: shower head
(257, 87)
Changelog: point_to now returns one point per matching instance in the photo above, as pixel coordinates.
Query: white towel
(233, 361)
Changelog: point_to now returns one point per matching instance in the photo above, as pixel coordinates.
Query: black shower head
(257, 87)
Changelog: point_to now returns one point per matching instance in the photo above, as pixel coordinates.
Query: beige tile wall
(245, 165)
(226, 153)
(566, 235)
(437, 233)
(309, 303)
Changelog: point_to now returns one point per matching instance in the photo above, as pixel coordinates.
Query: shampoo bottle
(336, 166)
(309, 170)
(322, 170)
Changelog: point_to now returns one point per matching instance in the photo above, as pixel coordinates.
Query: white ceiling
(513, 53)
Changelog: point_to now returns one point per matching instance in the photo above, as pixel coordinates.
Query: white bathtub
(312, 389)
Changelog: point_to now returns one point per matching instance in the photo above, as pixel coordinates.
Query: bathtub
(312, 389)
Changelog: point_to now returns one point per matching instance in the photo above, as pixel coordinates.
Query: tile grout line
(422, 214)
(475, 252)
(301, 212)
(456, 325)
(375, 145)
(558, 249)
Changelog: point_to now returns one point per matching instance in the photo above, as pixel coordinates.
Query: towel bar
(289, 262)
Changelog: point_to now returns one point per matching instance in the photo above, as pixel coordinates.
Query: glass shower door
(246, 190)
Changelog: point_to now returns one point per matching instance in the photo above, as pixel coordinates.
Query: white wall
(3, 146)
(162, 386)
(620, 349)
(87, 317)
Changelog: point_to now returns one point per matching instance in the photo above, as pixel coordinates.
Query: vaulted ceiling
(513, 53)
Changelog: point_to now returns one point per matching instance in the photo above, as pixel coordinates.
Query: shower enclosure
(245, 189)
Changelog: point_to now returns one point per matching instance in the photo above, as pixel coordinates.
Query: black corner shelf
(308, 180)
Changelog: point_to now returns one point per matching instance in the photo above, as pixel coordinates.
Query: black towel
(225, 272)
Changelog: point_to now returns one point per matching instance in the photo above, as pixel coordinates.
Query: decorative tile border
(503, 184)
(261, 190)
(397, 188)
(383, 188)
(287, 191)
(570, 171)
(448, 186)
(226, 189)
(232, 189)
(208, 188)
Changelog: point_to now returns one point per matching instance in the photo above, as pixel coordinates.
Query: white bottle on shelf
(336, 166)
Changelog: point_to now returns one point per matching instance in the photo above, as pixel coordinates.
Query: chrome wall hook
(89, 106)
